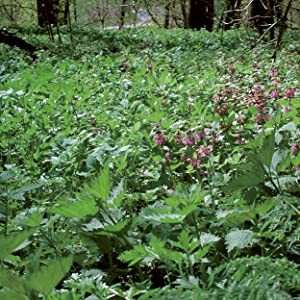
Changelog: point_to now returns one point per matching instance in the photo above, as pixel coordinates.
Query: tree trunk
(47, 12)
(263, 13)
(232, 14)
(123, 13)
(201, 14)
(167, 14)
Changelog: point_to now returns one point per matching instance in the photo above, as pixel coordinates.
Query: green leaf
(239, 239)
(80, 208)
(244, 181)
(9, 295)
(279, 157)
(18, 194)
(266, 153)
(47, 278)
(207, 238)
(137, 254)
(12, 242)
(166, 215)
(12, 282)
(117, 195)
(114, 228)
(101, 186)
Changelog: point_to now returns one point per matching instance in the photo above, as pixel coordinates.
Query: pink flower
(295, 149)
(262, 118)
(160, 138)
(194, 162)
(188, 141)
(273, 73)
(221, 110)
(178, 138)
(290, 92)
(207, 131)
(199, 135)
(218, 138)
(231, 70)
(274, 94)
(126, 64)
(167, 158)
(203, 151)
(297, 168)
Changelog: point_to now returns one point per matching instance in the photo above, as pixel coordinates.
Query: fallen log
(15, 41)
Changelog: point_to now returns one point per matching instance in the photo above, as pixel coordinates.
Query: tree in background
(232, 14)
(47, 12)
(201, 14)
(265, 13)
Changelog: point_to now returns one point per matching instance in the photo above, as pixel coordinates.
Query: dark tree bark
(47, 12)
(201, 14)
(263, 13)
(232, 14)
(167, 14)
(14, 41)
(123, 13)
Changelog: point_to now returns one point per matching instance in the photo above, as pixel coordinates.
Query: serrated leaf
(207, 238)
(291, 126)
(101, 186)
(114, 228)
(80, 208)
(48, 277)
(117, 195)
(10, 243)
(244, 181)
(266, 152)
(137, 254)
(279, 157)
(239, 239)
(166, 215)
(18, 194)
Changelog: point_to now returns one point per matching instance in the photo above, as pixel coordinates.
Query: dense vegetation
(150, 164)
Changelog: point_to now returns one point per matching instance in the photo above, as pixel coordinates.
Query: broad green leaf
(156, 116)
(239, 239)
(11, 243)
(18, 194)
(264, 207)
(266, 152)
(7, 176)
(244, 181)
(12, 282)
(291, 126)
(12, 295)
(279, 157)
(79, 208)
(47, 278)
(114, 228)
(101, 186)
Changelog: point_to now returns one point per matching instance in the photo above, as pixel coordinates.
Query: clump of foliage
(153, 170)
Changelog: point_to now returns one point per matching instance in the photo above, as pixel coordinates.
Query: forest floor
(150, 164)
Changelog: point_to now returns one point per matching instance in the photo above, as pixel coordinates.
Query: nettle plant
(197, 150)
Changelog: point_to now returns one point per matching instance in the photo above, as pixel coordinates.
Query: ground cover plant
(150, 164)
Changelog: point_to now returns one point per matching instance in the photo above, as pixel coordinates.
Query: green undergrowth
(150, 164)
